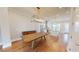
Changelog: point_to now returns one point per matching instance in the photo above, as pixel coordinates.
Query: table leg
(32, 46)
(41, 38)
(44, 37)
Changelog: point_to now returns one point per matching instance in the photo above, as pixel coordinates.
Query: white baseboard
(9, 44)
(6, 45)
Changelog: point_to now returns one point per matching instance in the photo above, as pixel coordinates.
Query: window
(66, 37)
(66, 27)
(56, 28)
(66, 32)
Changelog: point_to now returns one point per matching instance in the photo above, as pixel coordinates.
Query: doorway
(75, 37)
(61, 30)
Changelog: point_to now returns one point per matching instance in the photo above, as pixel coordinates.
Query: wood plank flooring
(50, 45)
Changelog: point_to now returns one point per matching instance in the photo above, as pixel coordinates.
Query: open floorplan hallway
(62, 23)
(50, 45)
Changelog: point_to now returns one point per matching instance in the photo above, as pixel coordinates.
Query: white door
(64, 33)
(75, 37)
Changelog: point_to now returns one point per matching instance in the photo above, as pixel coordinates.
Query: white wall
(5, 30)
(73, 45)
(12, 25)
(0, 34)
(20, 23)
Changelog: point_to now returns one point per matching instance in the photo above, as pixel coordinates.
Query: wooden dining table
(33, 37)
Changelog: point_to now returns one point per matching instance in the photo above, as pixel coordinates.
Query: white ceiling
(44, 11)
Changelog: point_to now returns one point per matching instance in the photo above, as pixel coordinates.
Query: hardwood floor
(50, 45)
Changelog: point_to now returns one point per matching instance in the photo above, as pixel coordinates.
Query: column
(4, 27)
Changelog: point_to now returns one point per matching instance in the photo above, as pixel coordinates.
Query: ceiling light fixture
(37, 16)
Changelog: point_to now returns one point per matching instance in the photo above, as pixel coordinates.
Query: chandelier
(36, 17)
